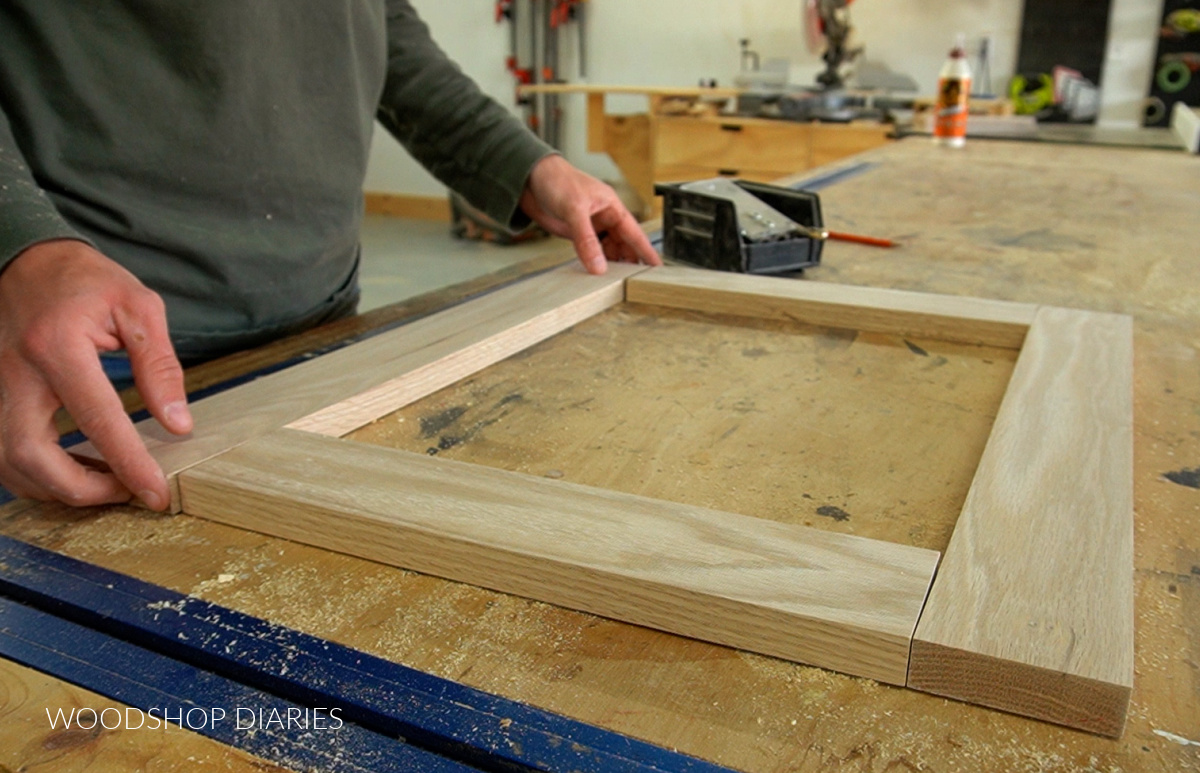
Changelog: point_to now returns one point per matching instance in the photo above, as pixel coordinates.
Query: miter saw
(830, 19)
(767, 92)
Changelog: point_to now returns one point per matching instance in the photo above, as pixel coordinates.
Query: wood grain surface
(767, 418)
(501, 326)
(963, 320)
(831, 600)
(427, 354)
(313, 342)
(1085, 227)
(1032, 611)
(29, 743)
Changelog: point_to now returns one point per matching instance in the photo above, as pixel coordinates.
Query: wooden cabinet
(732, 146)
(684, 148)
(754, 149)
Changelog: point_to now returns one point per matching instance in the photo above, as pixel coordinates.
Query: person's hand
(62, 302)
(576, 206)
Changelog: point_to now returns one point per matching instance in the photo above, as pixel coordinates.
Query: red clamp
(562, 12)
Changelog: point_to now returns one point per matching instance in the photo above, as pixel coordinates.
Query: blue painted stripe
(481, 729)
(820, 181)
(149, 681)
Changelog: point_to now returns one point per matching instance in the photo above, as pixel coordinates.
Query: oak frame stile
(1030, 610)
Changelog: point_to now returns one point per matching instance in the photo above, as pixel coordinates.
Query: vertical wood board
(836, 601)
(429, 354)
(1032, 608)
(490, 343)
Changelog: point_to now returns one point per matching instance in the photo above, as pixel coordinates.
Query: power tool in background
(830, 19)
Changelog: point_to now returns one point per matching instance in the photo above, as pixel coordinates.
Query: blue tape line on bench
(482, 729)
(820, 181)
(108, 666)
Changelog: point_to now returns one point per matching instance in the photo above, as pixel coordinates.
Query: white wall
(677, 42)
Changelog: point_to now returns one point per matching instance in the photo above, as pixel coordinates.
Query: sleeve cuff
(498, 192)
(22, 231)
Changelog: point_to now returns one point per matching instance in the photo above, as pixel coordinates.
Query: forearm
(462, 136)
(27, 216)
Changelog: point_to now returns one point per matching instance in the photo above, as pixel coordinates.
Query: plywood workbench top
(680, 408)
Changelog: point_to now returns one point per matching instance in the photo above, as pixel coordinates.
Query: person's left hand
(576, 206)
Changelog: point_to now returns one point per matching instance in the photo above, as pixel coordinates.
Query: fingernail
(151, 499)
(178, 416)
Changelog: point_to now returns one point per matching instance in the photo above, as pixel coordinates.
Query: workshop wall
(675, 42)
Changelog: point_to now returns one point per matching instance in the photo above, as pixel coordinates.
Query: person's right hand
(61, 303)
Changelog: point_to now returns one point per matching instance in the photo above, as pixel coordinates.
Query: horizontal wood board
(836, 601)
(1032, 608)
(948, 318)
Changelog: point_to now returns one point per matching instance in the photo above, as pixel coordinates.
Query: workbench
(683, 136)
(869, 434)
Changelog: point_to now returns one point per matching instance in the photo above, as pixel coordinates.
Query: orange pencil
(872, 240)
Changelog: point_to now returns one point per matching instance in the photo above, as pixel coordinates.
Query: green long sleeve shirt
(217, 149)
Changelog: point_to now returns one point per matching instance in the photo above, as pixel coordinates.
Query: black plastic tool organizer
(703, 230)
